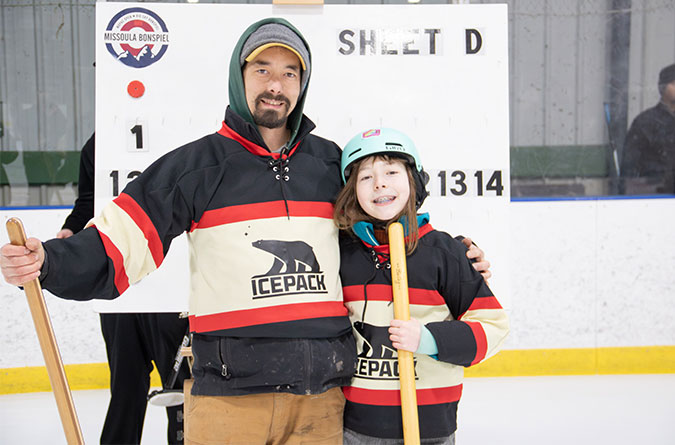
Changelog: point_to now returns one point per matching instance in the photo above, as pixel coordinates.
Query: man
(649, 151)
(272, 342)
(265, 302)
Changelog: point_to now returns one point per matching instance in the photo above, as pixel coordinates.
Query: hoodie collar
(237, 93)
(247, 134)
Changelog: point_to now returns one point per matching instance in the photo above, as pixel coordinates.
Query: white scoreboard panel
(436, 72)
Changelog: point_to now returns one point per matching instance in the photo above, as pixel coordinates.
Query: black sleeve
(461, 286)
(83, 210)
(78, 268)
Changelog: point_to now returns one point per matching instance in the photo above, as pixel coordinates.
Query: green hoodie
(236, 88)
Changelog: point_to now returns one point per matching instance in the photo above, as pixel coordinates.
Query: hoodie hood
(236, 81)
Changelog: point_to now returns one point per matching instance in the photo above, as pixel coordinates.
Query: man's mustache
(269, 96)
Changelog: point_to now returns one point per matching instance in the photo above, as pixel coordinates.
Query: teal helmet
(389, 142)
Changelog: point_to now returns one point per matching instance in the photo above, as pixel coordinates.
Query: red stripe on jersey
(143, 222)
(485, 303)
(383, 292)
(263, 210)
(266, 315)
(481, 341)
(392, 397)
(121, 279)
(250, 146)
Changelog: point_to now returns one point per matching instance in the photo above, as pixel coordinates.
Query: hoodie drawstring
(378, 265)
(280, 167)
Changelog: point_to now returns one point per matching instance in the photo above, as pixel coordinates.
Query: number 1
(138, 131)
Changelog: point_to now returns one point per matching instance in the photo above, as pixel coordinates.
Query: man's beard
(271, 118)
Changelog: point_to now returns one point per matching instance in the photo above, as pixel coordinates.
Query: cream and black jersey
(262, 244)
(446, 295)
(263, 248)
(266, 303)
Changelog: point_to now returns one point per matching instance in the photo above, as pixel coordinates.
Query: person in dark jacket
(83, 210)
(272, 341)
(648, 164)
(133, 340)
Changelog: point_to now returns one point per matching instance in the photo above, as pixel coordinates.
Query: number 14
(458, 184)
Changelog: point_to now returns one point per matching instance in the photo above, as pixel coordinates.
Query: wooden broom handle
(50, 350)
(406, 365)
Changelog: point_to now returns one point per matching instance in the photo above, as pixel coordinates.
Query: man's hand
(481, 264)
(64, 233)
(405, 335)
(22, 264)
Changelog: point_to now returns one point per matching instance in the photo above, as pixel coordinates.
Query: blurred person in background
(648, 164)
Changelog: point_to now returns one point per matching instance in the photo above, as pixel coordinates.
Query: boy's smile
(382, 188)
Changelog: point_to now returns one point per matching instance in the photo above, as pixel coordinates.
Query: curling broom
(406, 366)
(50, 350)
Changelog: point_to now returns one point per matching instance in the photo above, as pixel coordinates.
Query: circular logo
(137, 37)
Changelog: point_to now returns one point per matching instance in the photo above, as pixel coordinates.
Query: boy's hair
(348, 212)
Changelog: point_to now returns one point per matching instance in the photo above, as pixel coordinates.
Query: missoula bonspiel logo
(295, 270)
(137, 37)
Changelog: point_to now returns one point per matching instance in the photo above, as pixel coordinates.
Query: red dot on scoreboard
(136, 88)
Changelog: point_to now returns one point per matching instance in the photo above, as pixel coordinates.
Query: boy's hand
(480, 264)
(22, 264)
(405, 335)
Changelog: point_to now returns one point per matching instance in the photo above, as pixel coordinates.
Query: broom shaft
(50, 350)
(406, 365)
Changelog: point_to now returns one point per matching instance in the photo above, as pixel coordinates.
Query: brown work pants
(265, 419)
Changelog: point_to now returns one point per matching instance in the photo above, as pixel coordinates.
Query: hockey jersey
(446, 295)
